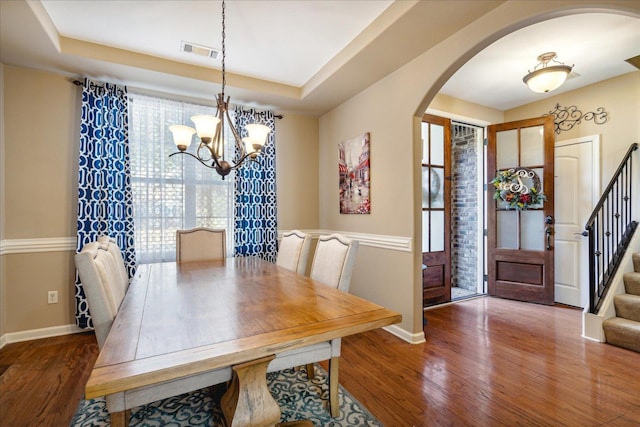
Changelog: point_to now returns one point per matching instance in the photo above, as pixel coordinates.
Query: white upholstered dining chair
(200, 244)
(293, 251)
(332, 265)
(105, 281)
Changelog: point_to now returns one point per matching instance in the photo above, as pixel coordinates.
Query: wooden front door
(520, 234)
(436, 210)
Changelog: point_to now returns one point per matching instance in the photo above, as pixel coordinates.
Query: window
(171, 193)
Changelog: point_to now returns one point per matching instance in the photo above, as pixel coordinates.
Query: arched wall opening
(526, 18)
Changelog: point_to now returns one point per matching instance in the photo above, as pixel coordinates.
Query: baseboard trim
(24, 246)
(404, 335)
(35, 334)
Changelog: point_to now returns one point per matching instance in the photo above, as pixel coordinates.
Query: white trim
(35, 334)
(458, 117)
(25, 246)
(417, 338)
(394, 243)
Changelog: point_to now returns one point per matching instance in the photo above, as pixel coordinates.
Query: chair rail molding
(394, 243)
(25, 246)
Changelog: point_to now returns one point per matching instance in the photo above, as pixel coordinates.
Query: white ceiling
(282, 41)
(294, 42)
(596, 44)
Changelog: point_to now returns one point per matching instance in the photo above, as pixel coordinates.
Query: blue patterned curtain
(256, 228)
(105, 204)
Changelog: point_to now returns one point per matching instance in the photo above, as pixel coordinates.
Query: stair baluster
(610, 229)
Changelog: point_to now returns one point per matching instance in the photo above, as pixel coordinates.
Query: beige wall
(455, 108)
(42, 134)
(620, 98)
(29, 277)
(390, 109)
(2, 267)
(297, 172)
(41, 144)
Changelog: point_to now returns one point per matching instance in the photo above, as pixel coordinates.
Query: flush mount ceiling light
(545, 77)
(211, 129)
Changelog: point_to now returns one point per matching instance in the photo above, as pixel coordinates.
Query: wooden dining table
(182, 319)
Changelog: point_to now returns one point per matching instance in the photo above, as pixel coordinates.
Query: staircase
(623, 330)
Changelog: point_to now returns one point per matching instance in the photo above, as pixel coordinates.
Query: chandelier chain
(224, 78)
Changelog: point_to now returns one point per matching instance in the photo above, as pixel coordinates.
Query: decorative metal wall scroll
(565, 118)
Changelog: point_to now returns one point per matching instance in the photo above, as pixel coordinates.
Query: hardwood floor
(494, 362)
(44, 379)
(486, 362)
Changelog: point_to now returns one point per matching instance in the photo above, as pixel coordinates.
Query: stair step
(632, 283)
(636, 261)
(622, 333)
(627, 306)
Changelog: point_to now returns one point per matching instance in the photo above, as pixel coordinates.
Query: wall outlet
(52, 297)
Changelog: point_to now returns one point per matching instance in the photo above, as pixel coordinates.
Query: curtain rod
(80, 83)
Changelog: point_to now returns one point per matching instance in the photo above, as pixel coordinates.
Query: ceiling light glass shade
(182, 136)
(257, 138)
(258, 133)
(206, 126)
(547, 79)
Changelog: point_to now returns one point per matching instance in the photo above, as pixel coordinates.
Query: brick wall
(464, 202)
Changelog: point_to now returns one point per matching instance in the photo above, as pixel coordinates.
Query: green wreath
(510, 188)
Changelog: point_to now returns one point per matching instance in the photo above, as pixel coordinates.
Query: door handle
(584, 233)
(547, 236)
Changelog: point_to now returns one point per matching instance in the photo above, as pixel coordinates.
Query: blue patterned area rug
(299, 398)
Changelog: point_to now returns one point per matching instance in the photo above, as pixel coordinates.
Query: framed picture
(355, 175)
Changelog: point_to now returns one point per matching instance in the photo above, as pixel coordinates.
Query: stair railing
(610, 229)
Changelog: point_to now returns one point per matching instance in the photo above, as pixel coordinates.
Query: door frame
(481, 209)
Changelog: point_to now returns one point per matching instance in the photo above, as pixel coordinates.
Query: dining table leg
(120, 418)
(248, 401)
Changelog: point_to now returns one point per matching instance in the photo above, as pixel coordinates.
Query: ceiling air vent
(199, 50)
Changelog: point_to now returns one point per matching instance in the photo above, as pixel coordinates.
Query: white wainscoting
(25, 246)
(394, 243)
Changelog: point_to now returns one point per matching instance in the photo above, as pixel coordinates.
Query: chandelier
(211, 132)
(544, 77)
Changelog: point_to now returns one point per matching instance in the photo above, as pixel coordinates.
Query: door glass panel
(531, 146)
(532, 230)
(426, 187)
(507, 229)
(425, 231)
(437, 145)
(425, 142)
(437, 231)
(437, 188)
(507, 149)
